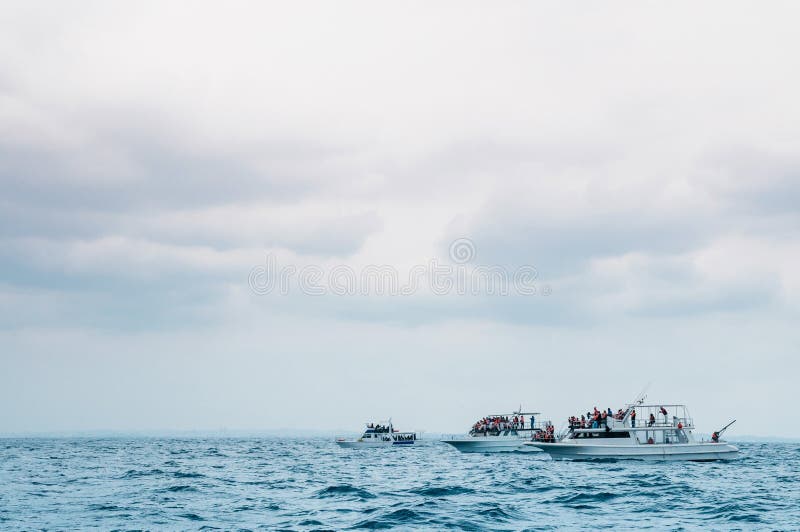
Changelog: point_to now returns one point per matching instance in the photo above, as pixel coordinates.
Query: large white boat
(497, 433)
(379, 435)
(641, 432)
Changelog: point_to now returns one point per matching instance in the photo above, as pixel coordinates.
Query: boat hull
(490, 445)
(687, 451)
(354, 444)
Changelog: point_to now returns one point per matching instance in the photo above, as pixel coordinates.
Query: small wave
(344, 490)
(596, 460)
(104, 507)
(539, 487)
(181, 474)
(181, 487)
(584, 498)
(441, 491)
(397, 518)
(745, 518)
(496, 513)
(191, 517)
(656, 480)
(310, 522)
(730, 512)
(272, 507)
(137, 473)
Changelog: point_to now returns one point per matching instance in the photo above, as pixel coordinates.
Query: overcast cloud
(643, 157)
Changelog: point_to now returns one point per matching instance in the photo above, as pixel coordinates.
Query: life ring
(650, 441)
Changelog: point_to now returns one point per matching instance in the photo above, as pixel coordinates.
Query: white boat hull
(679, 451)
(490, 445)
(355, 444)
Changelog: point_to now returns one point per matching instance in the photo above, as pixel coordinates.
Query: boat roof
(515, 414)
(659, 405)
(644, 428)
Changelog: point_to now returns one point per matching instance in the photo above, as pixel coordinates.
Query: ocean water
(311, 484)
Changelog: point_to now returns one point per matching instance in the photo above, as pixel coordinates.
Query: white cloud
(642, 157)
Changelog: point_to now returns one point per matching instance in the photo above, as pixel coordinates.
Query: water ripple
(345, 490)
(293, 484)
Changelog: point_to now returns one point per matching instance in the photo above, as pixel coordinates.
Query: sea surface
(311, 484)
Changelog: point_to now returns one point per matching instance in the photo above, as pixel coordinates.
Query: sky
(160, 163)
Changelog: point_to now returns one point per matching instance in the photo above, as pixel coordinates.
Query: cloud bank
(643, 158)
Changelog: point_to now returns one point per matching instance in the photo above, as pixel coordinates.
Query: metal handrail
(686, 423)
(527, 428)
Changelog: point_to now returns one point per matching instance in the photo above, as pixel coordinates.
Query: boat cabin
(375, 432)
(639, 424)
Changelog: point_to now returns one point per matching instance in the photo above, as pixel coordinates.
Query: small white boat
(498, 433)
(641, 432)
(379, 435)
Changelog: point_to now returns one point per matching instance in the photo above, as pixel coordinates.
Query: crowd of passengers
(546, 435)
(383, 429)
(598, 419)
(497, 424)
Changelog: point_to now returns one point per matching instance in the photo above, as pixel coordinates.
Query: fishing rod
(720, 431)
(715, 435)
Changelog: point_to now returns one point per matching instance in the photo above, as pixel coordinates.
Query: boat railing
(510, 427)
(685, 423)
(659, 423)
